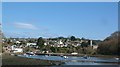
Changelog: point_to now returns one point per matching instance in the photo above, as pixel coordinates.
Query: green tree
(83, 44)
(61, 37)
(72, 38)
(40, 42)
(52, 49)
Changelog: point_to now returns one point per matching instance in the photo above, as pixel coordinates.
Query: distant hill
(113, 36)
(110, 45)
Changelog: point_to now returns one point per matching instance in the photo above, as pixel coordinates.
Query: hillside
(110, 45)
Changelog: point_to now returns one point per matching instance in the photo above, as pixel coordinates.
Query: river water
(74, 60)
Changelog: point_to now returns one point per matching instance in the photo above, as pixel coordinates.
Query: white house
(18, 42)
(31, 44)
(78, 44)
(13, 47)
(45, 44)
(17, 50)
(65, 45)
(60, 42)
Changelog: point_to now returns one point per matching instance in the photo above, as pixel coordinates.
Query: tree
(61, 37)
(83, 44)
(110, 45)
(72, 38)
(40, 42)
(53, 49)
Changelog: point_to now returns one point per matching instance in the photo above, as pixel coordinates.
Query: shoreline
(59, 54)
(15, 60)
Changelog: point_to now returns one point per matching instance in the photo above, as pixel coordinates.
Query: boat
(85, 57)
(65, 57)
(30, 53)
(25, 54)
(61, 55)
(46, 55)
(117, 58)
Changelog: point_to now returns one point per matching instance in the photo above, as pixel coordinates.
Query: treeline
(111, 45)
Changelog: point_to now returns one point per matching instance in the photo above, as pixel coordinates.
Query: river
(74, 60)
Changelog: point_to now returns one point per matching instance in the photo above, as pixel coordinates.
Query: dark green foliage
(60, 37)
(72, 38)
(40, 42)
(53, 49)
(83, 44)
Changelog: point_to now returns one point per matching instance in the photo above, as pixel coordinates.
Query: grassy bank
(15, 60)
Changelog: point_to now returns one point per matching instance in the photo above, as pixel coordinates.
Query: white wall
(16, 50)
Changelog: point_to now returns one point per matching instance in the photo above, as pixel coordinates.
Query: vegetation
(40, 42)
(84, 48)
(72, 38)
(110, 45)
(84, 44)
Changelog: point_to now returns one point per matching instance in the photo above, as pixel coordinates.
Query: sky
(60, 0)
(91, 20)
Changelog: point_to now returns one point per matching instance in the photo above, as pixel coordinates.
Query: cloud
(25, 26)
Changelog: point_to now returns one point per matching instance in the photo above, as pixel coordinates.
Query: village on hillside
(21, 45)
